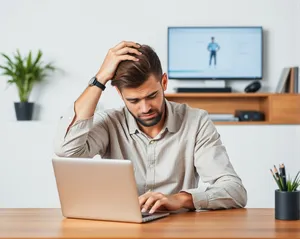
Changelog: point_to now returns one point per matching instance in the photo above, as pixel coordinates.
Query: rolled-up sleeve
(84, 138)
(212, 163)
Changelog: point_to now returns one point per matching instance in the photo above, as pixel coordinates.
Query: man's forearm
(86, 104)
(227, 192)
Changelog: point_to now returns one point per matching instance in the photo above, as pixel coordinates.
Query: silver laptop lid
(103, 189)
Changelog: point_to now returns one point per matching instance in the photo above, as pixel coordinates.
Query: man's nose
(145, 107)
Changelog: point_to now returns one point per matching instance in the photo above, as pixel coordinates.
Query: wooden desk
(235, 223)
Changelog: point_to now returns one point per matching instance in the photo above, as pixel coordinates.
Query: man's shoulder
(111, 114)
(188, 118)
(184, 109)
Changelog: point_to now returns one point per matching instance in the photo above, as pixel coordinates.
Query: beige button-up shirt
(187, 152)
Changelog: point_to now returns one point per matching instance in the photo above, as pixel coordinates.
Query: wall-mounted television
(215, 53)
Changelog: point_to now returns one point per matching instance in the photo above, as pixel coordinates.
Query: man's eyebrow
(151, 94)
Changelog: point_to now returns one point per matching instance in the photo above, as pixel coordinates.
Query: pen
(276, 180)
(283, 175)
(280, 174)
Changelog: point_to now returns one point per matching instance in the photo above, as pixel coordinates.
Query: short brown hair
(132, 74)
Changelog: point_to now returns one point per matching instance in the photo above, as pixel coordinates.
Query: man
(170, 145)
(213, 47)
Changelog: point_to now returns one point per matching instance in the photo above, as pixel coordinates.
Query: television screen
(215, 52)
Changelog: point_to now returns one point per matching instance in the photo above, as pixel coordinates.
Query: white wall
(76, 36)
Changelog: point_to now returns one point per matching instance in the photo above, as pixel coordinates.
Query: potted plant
(25, 73)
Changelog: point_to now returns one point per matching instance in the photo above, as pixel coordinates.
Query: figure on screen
(213, 47)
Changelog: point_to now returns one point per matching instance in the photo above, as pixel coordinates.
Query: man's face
(146, 103)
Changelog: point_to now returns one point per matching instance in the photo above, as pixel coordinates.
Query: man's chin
(149, 122)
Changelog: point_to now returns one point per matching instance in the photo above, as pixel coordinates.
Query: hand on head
(125, 50)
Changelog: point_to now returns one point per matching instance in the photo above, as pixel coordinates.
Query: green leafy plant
(25, 72)
(292, 185)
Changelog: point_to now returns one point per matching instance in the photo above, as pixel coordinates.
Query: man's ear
(164, 81)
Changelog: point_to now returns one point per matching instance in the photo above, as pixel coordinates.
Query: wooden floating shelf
(278, 108)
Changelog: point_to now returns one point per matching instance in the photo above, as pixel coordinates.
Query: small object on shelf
(253, 87)
(250, 115)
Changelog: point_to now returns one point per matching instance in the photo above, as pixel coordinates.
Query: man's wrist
(186, 200)
(102, 79)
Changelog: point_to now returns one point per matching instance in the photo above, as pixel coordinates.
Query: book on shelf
(289, 80)
(296, 79)
(223, 117)
(234, 119)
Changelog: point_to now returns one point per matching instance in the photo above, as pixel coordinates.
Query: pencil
(276, 180)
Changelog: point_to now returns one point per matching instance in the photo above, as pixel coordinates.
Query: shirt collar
(132, 125)
(171, 124)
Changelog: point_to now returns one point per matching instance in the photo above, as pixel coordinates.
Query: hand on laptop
(155, 201)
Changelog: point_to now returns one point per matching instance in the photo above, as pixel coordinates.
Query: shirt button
(152, 141)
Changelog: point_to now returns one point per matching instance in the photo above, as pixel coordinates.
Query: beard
(150, 121)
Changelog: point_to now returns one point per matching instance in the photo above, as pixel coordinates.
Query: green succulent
(25, 72)
(292, 185)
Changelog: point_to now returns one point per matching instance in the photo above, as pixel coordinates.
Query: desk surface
(235, 223)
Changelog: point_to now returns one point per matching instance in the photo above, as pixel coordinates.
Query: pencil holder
(287, 205)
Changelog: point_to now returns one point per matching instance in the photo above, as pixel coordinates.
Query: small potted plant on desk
(25, 73)
(287, 197)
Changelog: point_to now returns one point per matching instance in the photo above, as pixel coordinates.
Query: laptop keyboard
(145, 214)
(149, 217)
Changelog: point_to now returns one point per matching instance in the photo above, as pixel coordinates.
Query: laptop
(99, 189)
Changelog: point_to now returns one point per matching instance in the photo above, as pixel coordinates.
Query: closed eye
(136, 100)
(133, 101)
(152, 96)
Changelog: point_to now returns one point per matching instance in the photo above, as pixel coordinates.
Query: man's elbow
(240, 197)
(63, 151)
(60, 152)
(244, 199)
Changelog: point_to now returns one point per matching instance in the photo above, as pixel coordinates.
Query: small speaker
(253, 87)
(250, 115)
